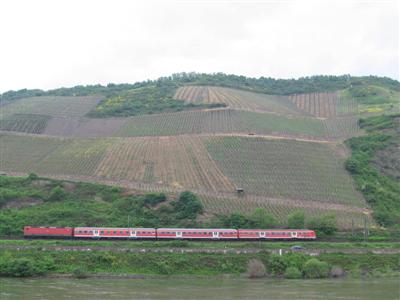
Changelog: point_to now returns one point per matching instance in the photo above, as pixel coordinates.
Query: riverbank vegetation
(25, 263)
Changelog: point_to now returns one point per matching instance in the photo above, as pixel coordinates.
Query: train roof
(199, 229)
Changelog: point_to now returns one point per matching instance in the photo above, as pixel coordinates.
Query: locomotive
(167, 233)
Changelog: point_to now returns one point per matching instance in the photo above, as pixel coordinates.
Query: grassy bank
(204, 245)
(293, 265)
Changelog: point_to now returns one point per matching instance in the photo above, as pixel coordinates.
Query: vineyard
(178, 162)
(237, 99)
(52, 106)
(284, 169)
(279, 175)
(325, 105)
(25, 123)
(346, 216)
(232, 121)
(83, 127)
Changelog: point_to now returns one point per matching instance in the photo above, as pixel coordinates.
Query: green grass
(202, 245)
(374, 99)
(284, 169)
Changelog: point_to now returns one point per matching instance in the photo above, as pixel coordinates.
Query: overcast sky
(49, 44)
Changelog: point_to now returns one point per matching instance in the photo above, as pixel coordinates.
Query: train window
(108, 232)
(85, 231)
(102, 232)
(121, 232)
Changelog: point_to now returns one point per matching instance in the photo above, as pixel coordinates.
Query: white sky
(49, 44)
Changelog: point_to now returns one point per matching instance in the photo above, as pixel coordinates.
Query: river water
(205, 289)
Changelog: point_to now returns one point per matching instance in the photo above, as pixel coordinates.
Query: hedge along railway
(237, 99)
(325, 105)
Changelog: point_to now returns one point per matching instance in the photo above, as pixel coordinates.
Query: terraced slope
(178, 162)
(280, 175)
(83, 127)
(325, 105)
(233, 121)
(237, 99)
(52, 106)
(25, 123)
(285, 169)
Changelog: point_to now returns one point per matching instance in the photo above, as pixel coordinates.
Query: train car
(114, 233)
(196, 233)
(269, 234)
(48, 232)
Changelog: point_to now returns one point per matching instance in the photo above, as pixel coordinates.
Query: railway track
(329, 240)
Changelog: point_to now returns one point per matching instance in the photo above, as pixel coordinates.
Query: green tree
(325, 224)
(188, 206)
(315, 268)
(57, 194)
(296, 220)
(261, 219)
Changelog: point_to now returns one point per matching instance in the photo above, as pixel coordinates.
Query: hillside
(282, 141)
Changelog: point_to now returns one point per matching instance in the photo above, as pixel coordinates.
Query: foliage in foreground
(25, 263)
(380, 190)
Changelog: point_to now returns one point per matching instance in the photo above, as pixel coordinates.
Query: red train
(168, 233)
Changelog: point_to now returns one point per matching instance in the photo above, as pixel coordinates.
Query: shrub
(276, 265)
(296, 220)
(188, 205)
(255, 268)
(33, 176)
(315, 268)
(79, 273)
(292, 273)
(24, 267)
(57, 194)
(337, 272)
(325, 224)
(261, 219)
(153, 199)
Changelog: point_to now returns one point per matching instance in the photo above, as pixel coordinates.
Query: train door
(215, 235)
(293, 234)
(262, 234)
(178, 234)
(133, 233)
(96, 233)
